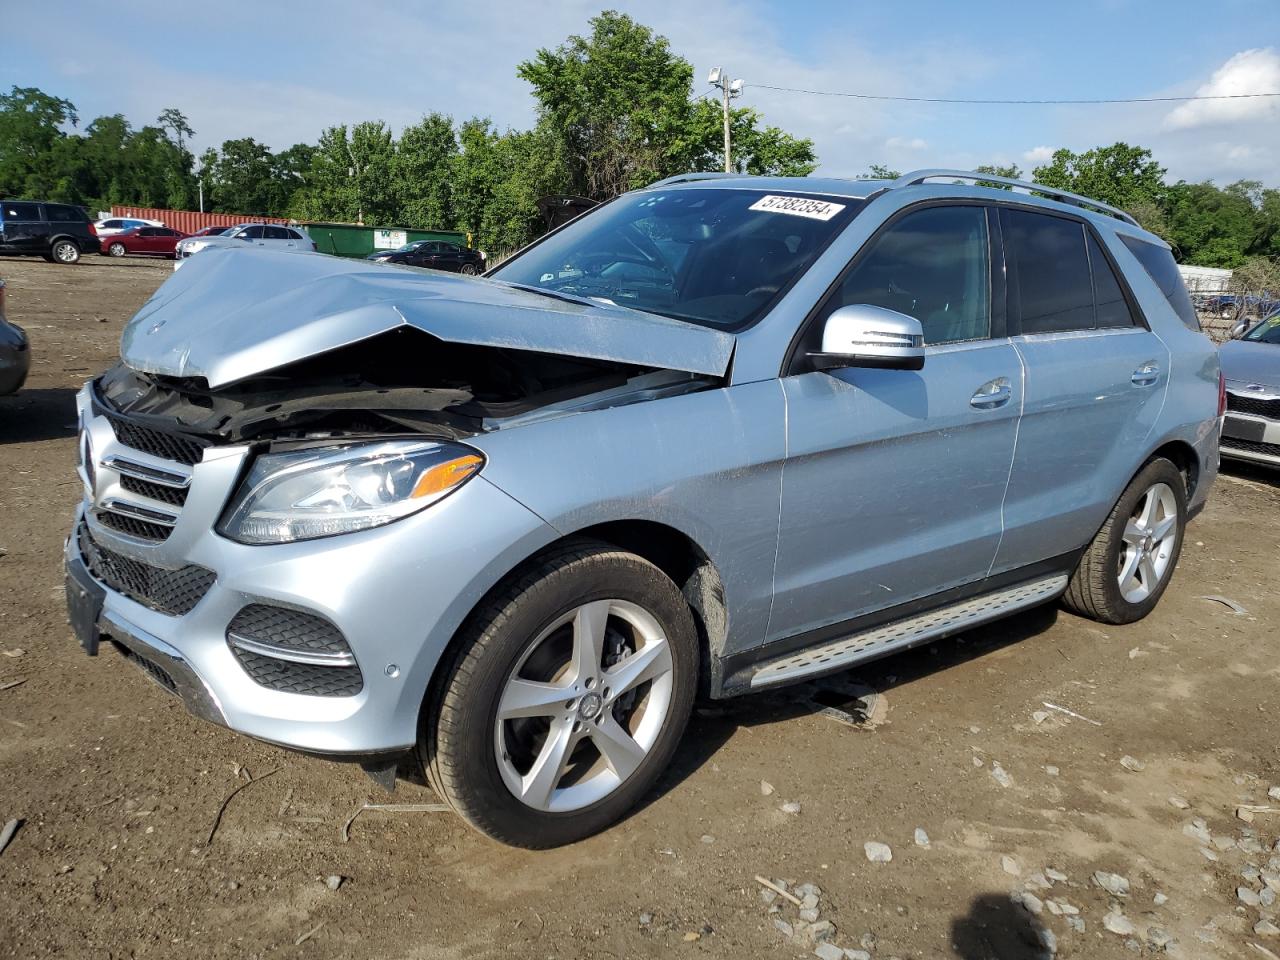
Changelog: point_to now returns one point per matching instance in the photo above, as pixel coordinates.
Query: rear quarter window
(64, 213)
(1158, 262)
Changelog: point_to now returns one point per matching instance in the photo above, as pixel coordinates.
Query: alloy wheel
(66, 252)
(116, 249)
(583, 706)
(1149, 538)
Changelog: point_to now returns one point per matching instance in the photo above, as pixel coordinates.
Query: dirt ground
(118, 788)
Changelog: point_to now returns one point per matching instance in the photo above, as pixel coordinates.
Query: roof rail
(1074, 199)
(690, 177)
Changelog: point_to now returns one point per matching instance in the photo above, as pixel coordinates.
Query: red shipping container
(189, 221)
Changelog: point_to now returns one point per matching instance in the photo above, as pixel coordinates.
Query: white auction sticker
(798, 207)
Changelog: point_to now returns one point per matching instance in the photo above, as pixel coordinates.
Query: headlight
(321, 492)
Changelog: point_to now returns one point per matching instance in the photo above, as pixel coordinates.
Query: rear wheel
(469, 269)
(64, 251)
(1127, 567)
(566, 699)
(116, 250)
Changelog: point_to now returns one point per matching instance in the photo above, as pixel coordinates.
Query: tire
(116, 250)
(65, 252)
(520, 640)
(1128, 565)
(469, 269)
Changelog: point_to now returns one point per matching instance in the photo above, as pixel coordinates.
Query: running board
(878, 641)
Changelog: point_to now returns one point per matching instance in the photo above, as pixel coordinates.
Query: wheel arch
(669, 549)
(1183, 456)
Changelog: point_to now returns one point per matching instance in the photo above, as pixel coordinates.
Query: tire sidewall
(604, 574)
(1157, 471)
(116, 250)
(60, 245)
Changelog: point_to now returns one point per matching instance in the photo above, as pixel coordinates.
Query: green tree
(1120, 175)
(31, 126)
(1008, 170)
(1211, 227)
(878, 171)
(422, 169)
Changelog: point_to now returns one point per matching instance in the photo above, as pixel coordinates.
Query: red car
(153, 241)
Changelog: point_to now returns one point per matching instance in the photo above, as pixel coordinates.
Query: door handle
(1146, 375)
(992, 394)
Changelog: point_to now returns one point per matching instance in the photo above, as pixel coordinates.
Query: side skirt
(843, 645)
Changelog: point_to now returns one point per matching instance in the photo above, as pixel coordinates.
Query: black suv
(59, 232)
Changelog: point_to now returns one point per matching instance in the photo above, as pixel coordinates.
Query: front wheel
(566, 698)
(1125, 570)
(116, 249)
(64, 251)
(469, 269)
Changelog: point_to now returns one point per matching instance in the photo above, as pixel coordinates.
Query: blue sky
(280, 72)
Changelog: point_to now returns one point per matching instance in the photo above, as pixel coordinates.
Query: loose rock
(921, 838)
(1132, 763)
(1119, 924)
(1159, 899)
(1076, 924)
(1113, 883)
(999, 775)
(856, 955)
(1265, 928)
(1274, 793)
(1029, 902)
(1057, 876)
(791, 807)
(766, 788)
(1010, 866)
(828, 951)
(1159, 937)
(1179, 802)
(333, 881)
(1040, 716)
(1051, 770)
(1197, 831)
(783, 927)
(877, 852)
(1248, 897)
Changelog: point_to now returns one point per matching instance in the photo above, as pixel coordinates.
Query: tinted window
(718, 257)
(451, 247)
(276, 233)
(932, 265)
(1158, 262)
(112, 224)
(22, 211)
(62, 213)
(251, 233)
(1110, 307)
(295, 235)
(149, 232)
(1048, 271)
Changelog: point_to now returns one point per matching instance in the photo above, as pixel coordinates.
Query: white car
(270, 235)
(113, 225)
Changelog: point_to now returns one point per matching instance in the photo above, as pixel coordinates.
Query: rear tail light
(1222, 394)
(93, 230)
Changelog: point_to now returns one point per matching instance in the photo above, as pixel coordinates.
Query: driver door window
(933, 265)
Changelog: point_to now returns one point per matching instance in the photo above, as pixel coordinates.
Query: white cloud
(1250, 71)
(1038, 155)
(904, 143)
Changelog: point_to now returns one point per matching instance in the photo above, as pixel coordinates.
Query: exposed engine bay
(403, 381)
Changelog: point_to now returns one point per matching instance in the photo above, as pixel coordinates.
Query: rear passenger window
(276, 233)
(1112, 309)
(932, 265)
(62, 213)
(1158, 262)
(1048, 272)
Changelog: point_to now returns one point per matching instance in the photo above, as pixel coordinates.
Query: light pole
(729, 90)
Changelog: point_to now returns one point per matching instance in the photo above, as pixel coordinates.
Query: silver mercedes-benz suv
(718, 435)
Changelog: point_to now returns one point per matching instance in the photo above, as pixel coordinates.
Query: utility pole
(201, 182)
(729, 90)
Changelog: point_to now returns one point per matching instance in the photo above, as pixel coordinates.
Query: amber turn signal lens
(444, 476)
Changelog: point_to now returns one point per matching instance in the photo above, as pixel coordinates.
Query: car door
(894, 479)
(147, 241)
(1096, 379)
(25, 229)
(255, 235)
(450, 257)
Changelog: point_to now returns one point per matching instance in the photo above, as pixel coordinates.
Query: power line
(875, 96)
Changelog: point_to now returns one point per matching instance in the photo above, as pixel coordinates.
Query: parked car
(716, 436)
(111, 226)
(436, 254)
(149, 241)
(1251, 367)
(15, 352)
(214, 231)
(267, 235)
(59, 232)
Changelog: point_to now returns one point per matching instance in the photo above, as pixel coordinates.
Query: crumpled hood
(231, 314)
(1248, 362)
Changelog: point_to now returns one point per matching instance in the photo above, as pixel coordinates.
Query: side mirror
(862, 335)
(1239, 329)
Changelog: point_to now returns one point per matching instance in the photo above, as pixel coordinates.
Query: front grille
(1253, 405)
(174, 592)
(167, 446)
(1252, 446)
(153, 670)
(289, 630)
(282, 627)
(305, 678)
(174, 496)
(133, 527)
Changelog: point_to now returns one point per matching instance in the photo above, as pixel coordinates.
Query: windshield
(719, 258)
(410, 246)
(1268, 331)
